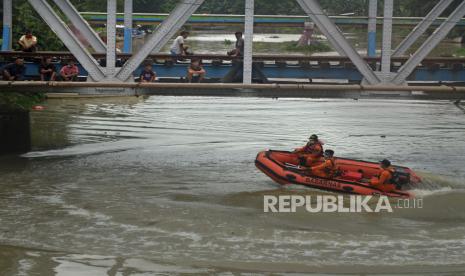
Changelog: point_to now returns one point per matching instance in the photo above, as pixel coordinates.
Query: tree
(25, 18)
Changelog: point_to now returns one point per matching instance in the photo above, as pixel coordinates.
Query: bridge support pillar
(111, 39)
(128, 6)
(7, 24)
(248, 41)
(372, 16)
(387, 41)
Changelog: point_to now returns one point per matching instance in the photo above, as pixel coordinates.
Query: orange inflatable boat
(352, 175)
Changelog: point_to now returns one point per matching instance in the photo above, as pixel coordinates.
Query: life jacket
(312, 149)
(391, 172)
(331, 171)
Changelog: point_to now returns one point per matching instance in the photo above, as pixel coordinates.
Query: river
(167, 185)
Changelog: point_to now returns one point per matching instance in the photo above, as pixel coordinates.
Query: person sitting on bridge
(47, 70)
(178, 48)
(311, 152)
(195, 72)
(326, 169)
(28, 42)
(148, 75)
(14, 71)
(69, 72)
(382, 181)
(239, 46)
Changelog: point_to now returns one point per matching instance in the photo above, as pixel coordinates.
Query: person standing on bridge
(28, 42)
(69, 72)
(178, 48)
(239, 50)
(14, 71)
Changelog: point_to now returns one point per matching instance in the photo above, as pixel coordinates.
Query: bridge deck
(274, 67)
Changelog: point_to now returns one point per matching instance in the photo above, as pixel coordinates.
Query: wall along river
(134, 186)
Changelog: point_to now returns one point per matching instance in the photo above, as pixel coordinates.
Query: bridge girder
(186, 8)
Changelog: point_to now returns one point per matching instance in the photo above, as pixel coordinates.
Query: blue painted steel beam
(290, 71)
(6, 38)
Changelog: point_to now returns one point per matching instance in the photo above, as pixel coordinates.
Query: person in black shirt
(148, 75)
(239, 50)
(47, 70)
(14, 71)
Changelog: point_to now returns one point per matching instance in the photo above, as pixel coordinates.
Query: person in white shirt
(28, 42)
(178, 48)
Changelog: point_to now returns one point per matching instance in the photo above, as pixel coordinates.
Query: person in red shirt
(327, 168)
(311, 152)
(69, 72)
(383, 181)
(195, 72)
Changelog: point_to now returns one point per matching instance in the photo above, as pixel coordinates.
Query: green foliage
(19, 101)
(460, 52)
(227, 42)
(25, 18)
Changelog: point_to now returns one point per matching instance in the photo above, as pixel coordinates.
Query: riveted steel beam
(248, 41)
(68, 38)
(421, 28)
(81, 24)
(337, 39)
(439, 34)
(161, 36)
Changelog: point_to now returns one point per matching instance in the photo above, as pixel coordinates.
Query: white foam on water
(69, 267)
(190, 235)
(51, 199)
(152, 267)
(85, 149)
(24, 267)
(426, 193)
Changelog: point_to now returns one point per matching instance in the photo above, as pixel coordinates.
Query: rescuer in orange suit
(311, 152)
(382, 182)
(327, 168)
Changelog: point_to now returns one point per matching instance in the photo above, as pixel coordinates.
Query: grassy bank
(291, 46)
(11, 101)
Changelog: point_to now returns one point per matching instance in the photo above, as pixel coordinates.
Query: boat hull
(281, 166)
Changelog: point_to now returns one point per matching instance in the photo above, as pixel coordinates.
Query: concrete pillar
(7, 25)
(128, 6)
(372, 14)
(248, 41)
